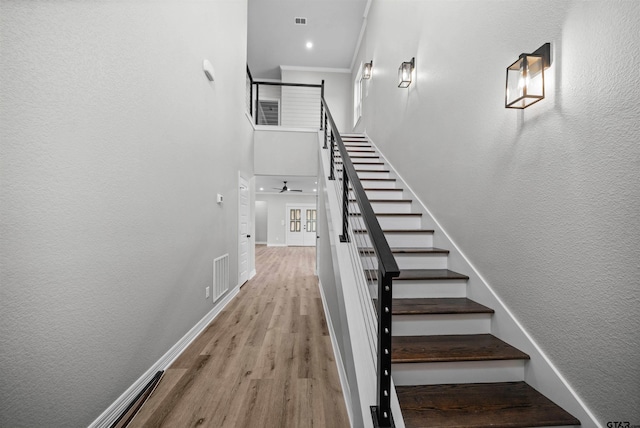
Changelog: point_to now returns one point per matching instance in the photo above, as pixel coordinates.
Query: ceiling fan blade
(291, 190)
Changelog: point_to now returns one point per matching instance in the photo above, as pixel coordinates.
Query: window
(311, 220)
(294, 220)
(269, 112)
(358, 92)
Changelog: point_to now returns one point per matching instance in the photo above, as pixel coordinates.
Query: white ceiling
(273, 184)
(333, 26)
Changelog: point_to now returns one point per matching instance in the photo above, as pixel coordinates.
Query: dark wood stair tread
(359, 162)
(438, 306)
(409, 231)
(452, 348)
(421, 275)
(479, 405)
(408, 250)
(394, 214)
(383, 189)
(404, 201)
(429, 274)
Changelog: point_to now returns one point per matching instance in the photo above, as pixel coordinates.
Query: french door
(301, 225)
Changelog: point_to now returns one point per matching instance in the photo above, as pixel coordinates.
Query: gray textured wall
(114, 145)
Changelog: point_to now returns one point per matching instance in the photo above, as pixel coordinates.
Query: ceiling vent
(301, 21)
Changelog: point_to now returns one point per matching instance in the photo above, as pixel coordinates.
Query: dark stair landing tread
(479, 405)
(438, 306)
(451, 348)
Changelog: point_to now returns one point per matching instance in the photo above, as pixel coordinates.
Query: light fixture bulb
(309, 45)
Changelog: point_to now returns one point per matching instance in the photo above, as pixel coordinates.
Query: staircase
(448, 369)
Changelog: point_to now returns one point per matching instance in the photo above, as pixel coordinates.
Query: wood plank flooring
(265, 361)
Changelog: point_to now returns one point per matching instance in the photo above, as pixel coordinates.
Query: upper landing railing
(293, 105)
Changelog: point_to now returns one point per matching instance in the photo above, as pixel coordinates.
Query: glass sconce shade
(367, 70)
(404, 73)
(525, 79)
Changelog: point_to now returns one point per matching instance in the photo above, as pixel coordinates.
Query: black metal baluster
(332, 155)
(382, 412)
(345, 205)
(321, 104)
(257, 101)
(325, 131)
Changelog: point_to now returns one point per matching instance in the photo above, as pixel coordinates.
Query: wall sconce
(208, 70)
(367, 70)
(525, 78)
(404, 73)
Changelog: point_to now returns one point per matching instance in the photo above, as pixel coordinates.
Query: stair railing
(387, 268)
(298, 102)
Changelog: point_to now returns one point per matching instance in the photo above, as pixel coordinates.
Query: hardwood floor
(265, 361)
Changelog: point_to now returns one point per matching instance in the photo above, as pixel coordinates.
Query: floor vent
(220, 276)
(301, 21)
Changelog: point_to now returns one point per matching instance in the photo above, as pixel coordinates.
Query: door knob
(248, 236)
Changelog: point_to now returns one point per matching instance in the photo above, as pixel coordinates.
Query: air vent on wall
(301, 21)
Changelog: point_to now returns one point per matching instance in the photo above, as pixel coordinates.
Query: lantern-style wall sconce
(404, 73)
(367, 70)
(525, 78)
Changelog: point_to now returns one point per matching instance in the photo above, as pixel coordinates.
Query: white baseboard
(261, 242)
(276, 245)
(252, 274)
(342, 374)
(109, 416)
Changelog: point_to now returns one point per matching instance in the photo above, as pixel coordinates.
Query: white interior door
(243, 231)
(301, 221)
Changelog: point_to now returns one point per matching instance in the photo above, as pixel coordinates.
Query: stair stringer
(358, 312)
(540, 372)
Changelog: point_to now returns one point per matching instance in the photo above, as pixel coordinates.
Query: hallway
(265, 361)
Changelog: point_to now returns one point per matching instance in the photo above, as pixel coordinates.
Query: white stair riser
(400, 240)
(398, 207)
(458, 372)
(371, 166)
(421, 325)
(415, 289)
(400, 222)
(373, 174)
(365, 167)
(378, 184)
(363, 153)
(381, 194)
(356, 141)
(413, 261)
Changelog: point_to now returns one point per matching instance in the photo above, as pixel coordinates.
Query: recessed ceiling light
(262, 188)
(315, 190)
(309, 45)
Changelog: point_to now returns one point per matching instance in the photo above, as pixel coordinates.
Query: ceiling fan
(286, 189)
